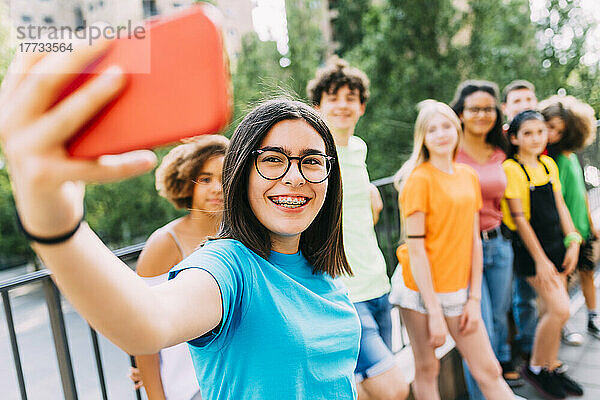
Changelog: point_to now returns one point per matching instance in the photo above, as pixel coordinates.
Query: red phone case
(186, 93)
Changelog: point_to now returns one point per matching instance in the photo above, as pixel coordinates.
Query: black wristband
(49, 240)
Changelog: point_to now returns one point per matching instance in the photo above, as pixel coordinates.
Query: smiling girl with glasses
(483, 148)
(259, 305)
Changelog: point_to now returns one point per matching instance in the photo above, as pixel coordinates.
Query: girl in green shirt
(572, 127)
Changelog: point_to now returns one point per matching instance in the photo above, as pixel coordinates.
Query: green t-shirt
(573, 190)
(370, 279)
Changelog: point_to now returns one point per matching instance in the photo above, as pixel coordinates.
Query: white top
(176, 368)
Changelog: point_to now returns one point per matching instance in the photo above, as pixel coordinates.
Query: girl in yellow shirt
(536, 212)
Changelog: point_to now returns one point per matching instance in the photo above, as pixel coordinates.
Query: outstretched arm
(48, 191)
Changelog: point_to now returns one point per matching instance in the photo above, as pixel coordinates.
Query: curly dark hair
(176, 176)
(579, 120)
(335, 74)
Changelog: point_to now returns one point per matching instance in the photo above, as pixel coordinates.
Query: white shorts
(452, 303)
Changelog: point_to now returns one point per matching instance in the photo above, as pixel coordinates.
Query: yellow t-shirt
(449, 202)
(518, 188)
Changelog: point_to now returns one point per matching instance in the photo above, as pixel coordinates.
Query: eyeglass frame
(483, 110)
(328, 158)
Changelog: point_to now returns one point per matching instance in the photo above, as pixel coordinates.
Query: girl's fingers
(51, 74)
(74, 111)
(17, 70)
(109, 168)
(463, 321)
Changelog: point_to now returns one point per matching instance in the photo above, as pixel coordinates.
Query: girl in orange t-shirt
(440, 202)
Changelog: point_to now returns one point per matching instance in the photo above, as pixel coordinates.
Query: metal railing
(388, 233)
(58, 328)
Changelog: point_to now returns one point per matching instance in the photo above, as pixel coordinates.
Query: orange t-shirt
(450, 202)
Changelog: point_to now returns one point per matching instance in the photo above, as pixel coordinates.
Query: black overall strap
(531, 186)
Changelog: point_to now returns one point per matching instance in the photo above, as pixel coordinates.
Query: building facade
(78, 13)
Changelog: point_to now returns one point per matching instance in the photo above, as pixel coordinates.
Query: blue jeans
(525, 314)
(375, 355)
(495, 302)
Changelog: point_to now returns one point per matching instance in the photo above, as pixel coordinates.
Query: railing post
(14, 344)
(101, 377)
(138, 394)
(59, 333)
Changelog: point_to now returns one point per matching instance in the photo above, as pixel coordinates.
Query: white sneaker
(571, 338)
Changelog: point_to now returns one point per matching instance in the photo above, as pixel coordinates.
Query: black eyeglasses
(477, 110)
(274, 164)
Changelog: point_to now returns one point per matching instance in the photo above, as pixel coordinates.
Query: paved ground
(584, 361)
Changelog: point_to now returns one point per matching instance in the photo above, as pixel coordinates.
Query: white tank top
(176, 368)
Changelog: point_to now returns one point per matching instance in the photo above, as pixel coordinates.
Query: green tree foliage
(412, 51)
(127, 212)
(257, 75)
(307, 48)
(408, 54)
(348, 23)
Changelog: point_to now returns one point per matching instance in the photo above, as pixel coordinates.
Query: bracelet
(50, 240)
(473, 298)
(572, 237)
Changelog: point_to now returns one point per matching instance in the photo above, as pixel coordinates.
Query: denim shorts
(375, 356)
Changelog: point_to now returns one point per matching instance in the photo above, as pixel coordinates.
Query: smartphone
(184, 91)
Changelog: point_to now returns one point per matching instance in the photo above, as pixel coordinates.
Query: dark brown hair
(322, 242)
(176, 176)
(515, 125)
(579, 120)
(333, 76)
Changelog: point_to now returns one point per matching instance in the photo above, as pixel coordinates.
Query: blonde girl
(442, 261)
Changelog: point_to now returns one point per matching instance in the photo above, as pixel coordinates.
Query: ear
(363, 106)
(513, 140)
(503, 108)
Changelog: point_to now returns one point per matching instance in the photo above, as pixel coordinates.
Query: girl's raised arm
(48, 190)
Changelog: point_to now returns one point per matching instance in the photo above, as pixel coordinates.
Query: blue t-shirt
(286, 333)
